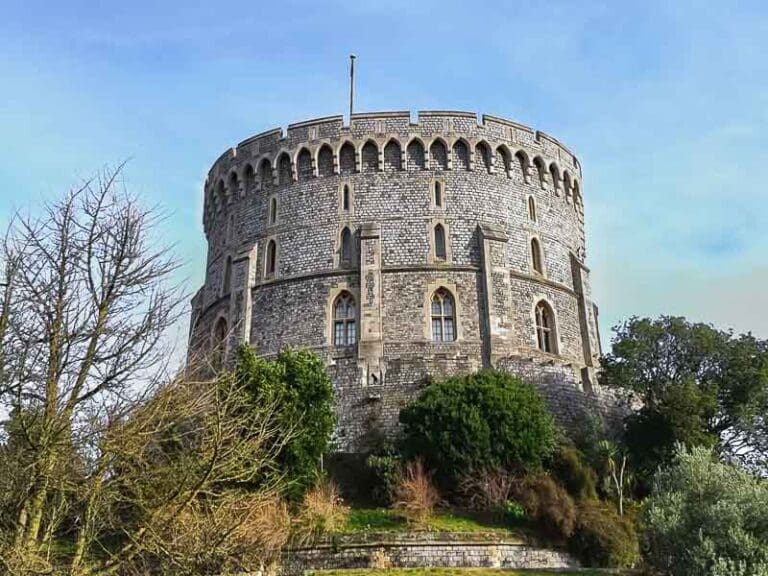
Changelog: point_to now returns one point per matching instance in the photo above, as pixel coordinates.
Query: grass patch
(458, 572)
(384, 520)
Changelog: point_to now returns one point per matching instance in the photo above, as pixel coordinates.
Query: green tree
(698, 386)
(299, 385)
(706, 518)
(486, 420)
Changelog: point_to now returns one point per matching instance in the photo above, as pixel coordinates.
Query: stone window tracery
(344, 320)
(545, 328)
(443, 316)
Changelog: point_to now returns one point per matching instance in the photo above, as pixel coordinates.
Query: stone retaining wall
(432, 550)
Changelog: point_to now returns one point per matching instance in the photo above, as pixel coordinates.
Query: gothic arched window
(344, 320)
(440, 251)
(273, 210)
(271, 264)
(345, 198)
(443, 316)
(438, 194)
(346, 247)
(536, 256)
(545, 328)
(532, 209)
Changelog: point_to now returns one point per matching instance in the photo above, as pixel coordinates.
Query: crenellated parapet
(390, 141)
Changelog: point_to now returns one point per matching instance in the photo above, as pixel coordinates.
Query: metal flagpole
(351, 85)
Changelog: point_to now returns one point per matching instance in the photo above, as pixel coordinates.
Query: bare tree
(86, 306)
(109, 457)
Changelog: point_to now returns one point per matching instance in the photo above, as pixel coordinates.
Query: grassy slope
(383, 520)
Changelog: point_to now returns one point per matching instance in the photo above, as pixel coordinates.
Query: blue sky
(665, 103)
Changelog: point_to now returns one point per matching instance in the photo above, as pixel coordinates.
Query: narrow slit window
(271, 258)
(536, 256)
(438, 194)
(532, 209)
(440, 252)
(346, 247)
(345, 198)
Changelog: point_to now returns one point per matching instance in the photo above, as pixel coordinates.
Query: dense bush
(384, 472)
(482, 421)
(299, 385)
(706, 518)
(573, 472)
(548, 504)
(602, 538)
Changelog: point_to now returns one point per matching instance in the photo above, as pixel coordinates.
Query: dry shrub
(489, 490)
(322, 512)
(548, 503)
(415, 495)
(236, 532)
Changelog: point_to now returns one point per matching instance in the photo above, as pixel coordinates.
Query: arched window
(346, 247)
(344, 320)
(545, 328)
(219, 344)
(536, 256)
(532, 209)
(438, 194)
(345, 198)
(440, 252)
(443, 316)
(273, 210)
(227, 284)
(271, 264)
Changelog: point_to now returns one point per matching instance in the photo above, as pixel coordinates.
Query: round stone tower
(402, 251)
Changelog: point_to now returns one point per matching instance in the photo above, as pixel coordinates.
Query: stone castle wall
(287, 189)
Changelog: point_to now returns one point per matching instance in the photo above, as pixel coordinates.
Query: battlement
(381, 126)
